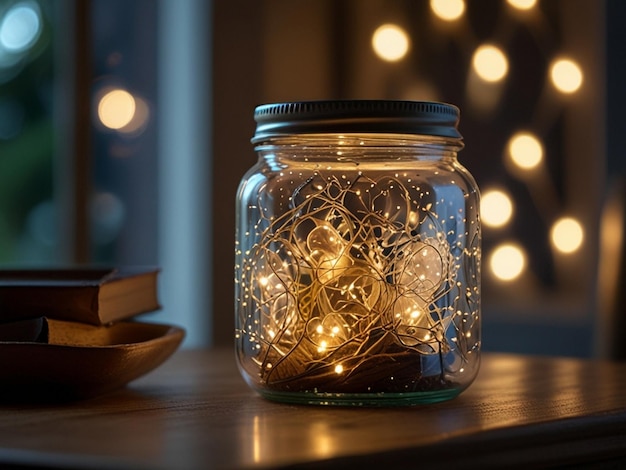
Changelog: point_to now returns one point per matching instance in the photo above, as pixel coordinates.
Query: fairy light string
(359, 284)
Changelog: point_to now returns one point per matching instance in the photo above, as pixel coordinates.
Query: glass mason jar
(357, 272)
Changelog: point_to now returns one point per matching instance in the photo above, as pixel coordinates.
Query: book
(31, 330)
(95, 296)
(46, 330)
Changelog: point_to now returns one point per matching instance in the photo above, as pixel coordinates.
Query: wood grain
(196, 412)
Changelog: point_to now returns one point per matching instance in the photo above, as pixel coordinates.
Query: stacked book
(39, 305)
(73, 333)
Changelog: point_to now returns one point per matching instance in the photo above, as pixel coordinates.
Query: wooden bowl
(81, 361)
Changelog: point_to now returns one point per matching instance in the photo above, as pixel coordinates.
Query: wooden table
(195, 412)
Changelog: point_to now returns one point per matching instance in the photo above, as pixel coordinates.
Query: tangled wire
(354, 286)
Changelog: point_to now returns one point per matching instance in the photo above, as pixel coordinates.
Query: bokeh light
(42, 223)
(567, 235)
(12, 117)
(448, 10)
(140, 118)
(20, 27)
(522, 4)
(525, 150)
(507, 262)
(566, 75)
(490, 63)
(390, 42)
(107, 213)
(496, 208)
(116, 109)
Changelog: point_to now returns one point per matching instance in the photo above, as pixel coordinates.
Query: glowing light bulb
(390, 42)
(567, 235)
(496, 208)
(507, 262)
(566, 75)
(329, 252)
(525, 150)
(522, 4)
(490, 63)
(448, 10)
(116, 109)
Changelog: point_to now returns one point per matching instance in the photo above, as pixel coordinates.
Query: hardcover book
(88, 295)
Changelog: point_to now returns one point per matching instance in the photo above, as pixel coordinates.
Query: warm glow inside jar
(357, 272)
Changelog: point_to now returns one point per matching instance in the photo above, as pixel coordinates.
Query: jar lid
(356, 116)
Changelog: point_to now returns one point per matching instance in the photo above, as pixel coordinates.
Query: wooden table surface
(195, 412)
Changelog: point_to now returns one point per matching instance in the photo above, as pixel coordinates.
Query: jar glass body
(357, 270)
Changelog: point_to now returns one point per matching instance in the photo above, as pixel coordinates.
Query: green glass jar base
(382, 399)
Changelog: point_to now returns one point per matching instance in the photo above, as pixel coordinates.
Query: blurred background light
(566, 75)
(12, 117)
(525, 150)
(116, 109)
(41, 222)
(522, 4)
(496, 208)
(140, 118)
(507, 262)
(390, 42)
(448, 10)
(107, 212)
(20, 27)
(490, 63)
(567, 235)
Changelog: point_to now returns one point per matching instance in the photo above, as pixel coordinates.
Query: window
(104, 145)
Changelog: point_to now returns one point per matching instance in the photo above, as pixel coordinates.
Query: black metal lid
(356, 116)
